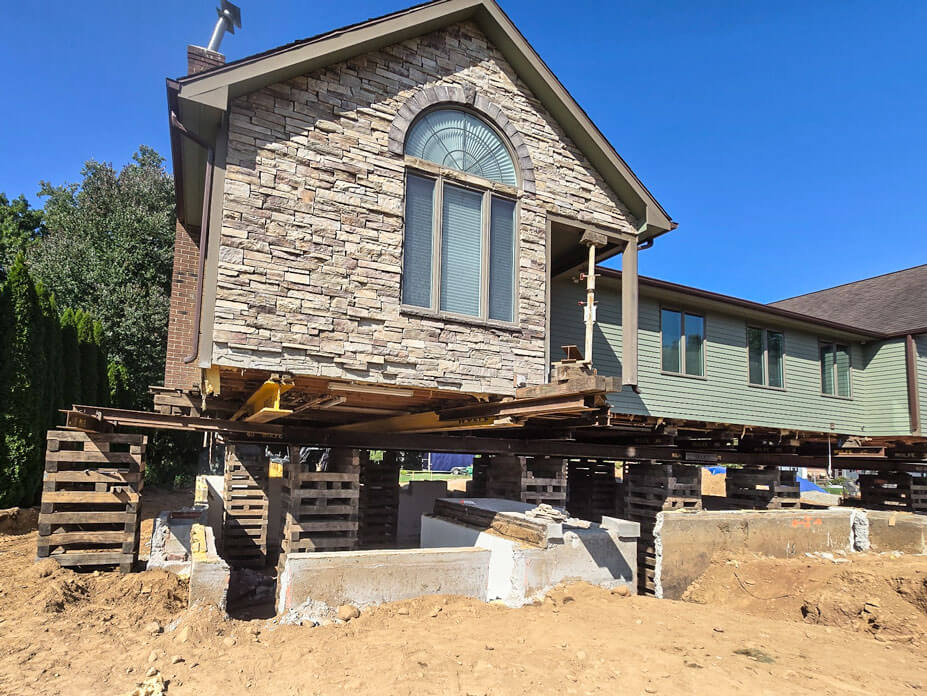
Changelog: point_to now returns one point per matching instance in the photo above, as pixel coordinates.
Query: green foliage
(20, 225)
(70, 349)
(176, 456)
(109, 252)
(88, 359)
(22, 390)
(117, 377)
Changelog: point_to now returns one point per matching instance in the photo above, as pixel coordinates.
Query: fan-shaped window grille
(459, 140)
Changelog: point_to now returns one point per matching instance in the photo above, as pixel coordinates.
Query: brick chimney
(200, 59)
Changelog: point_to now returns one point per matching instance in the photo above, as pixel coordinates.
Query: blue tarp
(446, 462)
(806, 485)
(717, 469)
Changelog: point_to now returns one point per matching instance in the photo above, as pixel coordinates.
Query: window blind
(461, 247)
(416, 259)
(501, 259)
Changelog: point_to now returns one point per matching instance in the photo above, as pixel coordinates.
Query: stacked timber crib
(761, 488)
(591, 488)
(378, 502)
(534, 480)
(246, 507)
(650, 489)
(90, 511)
(320, 506)
(895, 490)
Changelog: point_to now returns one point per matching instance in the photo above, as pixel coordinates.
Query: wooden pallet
(535, 480)
(893, 490)
(591, 488)
(762, 488)
(650, 489)
(90, 509)
(247, 507)
(378, 502)
(321, 507)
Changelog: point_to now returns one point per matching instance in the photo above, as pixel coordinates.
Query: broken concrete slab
(365, 578)
(209, 574)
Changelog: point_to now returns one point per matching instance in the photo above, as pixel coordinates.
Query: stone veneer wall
(311, 250)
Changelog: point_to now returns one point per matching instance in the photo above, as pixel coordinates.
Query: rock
(152, 656)
(229, 641)
(151, 671)
(346, 612)
(490, 647)
(403, 611)
(621, 591)
(176, 659)
(153, 627)
(183, 635)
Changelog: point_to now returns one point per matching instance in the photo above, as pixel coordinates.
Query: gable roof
(893, 303)
(201, 99)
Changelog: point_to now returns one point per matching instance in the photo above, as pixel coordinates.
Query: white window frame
(682, 342)
(766, 331)
(835, 374)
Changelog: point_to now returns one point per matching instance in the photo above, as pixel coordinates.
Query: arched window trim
(452, 96)
(465, 108)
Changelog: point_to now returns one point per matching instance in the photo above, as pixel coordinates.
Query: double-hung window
(683, 342)
(835, 369)
(459, 243)
(765, 357)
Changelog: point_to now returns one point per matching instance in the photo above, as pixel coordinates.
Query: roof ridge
(852, 282)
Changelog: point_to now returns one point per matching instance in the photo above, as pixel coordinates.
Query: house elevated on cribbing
(388, 230)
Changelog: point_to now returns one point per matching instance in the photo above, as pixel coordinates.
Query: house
(393, 228)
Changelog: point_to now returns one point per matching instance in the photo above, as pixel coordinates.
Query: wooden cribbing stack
(534, 480)
(378, 503)
(894, 490)
(90, 510)
(591, 488)
(762, 488)
(247, 507)
(320, 507)
(650, 489)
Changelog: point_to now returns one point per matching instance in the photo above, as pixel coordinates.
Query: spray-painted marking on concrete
(807, 522)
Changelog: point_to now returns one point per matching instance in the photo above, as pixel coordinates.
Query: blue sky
(788, 139)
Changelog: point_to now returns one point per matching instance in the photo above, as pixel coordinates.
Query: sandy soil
(94, 633)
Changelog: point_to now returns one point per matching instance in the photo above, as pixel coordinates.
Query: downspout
(204, 231)
(914, 404)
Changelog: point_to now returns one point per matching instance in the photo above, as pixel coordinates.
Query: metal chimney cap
(229, 18)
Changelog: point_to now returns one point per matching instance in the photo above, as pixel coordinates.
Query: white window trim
(835, 375)
(766, 331)
(682, 343)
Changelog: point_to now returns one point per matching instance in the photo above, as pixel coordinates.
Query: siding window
(459, 243)
(765, 357)
(835, 369)
(683, 342)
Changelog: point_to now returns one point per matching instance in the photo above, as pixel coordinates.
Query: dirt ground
(101, 633)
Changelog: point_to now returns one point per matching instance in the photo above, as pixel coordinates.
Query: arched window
(459, 245)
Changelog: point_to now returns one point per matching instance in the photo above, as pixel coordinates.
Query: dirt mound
(18, 520)
(873, 594)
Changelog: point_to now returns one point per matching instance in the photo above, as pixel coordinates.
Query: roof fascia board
(662, 289)
(247, 75)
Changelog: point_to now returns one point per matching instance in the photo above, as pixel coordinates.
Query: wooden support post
(629, 316)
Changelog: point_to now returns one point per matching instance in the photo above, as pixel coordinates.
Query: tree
(21, 389)
(87, 350)
(109, 252)
(20, 225)
(70, 350)
(53, 398)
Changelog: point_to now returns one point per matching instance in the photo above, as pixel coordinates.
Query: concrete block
(517, 574)
(365, 578)
(209, 574)
(416, 499)
(897, 531)
(687, 542)
(623, 528)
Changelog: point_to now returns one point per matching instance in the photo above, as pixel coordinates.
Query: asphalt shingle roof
(894, 303)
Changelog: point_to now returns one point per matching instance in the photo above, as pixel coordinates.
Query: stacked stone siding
(309, 269)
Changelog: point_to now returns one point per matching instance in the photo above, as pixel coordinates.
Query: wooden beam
(78, 420)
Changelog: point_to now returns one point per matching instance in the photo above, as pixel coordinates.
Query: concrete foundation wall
(897, 531)
(417, 498)
(517, 574)
(364, 578)
(687, 542)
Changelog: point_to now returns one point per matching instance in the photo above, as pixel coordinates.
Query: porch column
(629, 315)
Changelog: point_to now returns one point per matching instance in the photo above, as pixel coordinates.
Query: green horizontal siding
(885, 388)
(724, 395)
(921, 342)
